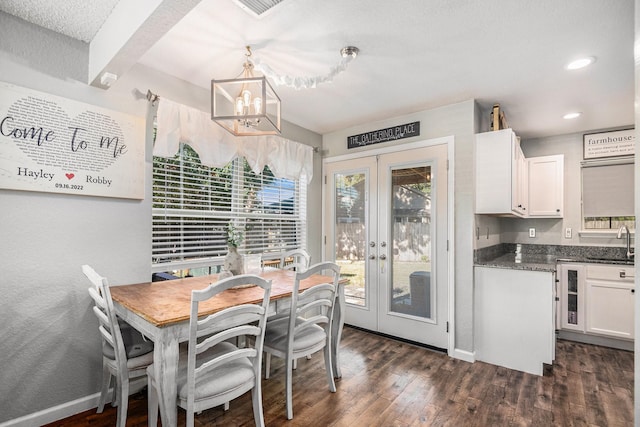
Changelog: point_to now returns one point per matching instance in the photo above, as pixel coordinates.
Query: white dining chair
(122, 360)
(214, 371)
(295, 259)
(307, 329)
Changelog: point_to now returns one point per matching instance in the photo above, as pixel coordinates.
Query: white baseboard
(55, 413)
(467, 356)
(68, 409)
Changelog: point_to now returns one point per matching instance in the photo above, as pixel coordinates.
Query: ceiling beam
(131, 29)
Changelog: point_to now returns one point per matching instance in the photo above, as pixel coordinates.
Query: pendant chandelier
(247, 105)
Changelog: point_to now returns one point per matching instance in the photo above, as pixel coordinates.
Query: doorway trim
(450, 143)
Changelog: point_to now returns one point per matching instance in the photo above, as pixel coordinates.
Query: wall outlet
(567, 233)
(532, 232)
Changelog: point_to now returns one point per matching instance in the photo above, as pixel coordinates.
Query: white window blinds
(607, 190)
(193, 203)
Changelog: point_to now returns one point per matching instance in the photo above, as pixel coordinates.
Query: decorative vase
(233, 261)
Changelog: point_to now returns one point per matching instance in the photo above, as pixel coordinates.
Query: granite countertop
(534, 258)
(531, 262)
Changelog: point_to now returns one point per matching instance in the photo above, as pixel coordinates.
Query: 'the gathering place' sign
(393, 133)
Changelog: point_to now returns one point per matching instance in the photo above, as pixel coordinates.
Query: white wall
(50, 350)
(459, 120)
(551, 231)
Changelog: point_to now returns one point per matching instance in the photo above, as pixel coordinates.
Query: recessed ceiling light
(570, 116)
(581, 63)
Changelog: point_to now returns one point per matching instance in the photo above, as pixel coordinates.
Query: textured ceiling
(414, 55)
(78, 19)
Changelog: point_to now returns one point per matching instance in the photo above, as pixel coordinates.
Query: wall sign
(609, 144)
(407, 130)
(57, 145)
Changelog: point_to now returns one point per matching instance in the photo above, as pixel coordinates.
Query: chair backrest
(112, 343)
(301, 259)
(246, 320)
(315, 304)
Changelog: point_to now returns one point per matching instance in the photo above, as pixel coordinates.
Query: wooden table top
(169, 302)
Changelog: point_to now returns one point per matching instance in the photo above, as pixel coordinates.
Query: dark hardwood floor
(390, 383)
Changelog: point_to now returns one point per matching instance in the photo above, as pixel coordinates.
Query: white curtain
(217, 147)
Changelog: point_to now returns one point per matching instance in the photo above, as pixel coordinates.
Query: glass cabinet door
(573, 292)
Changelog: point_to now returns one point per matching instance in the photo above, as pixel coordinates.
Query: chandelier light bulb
(246, 97)
(257, 105)
(239, 106)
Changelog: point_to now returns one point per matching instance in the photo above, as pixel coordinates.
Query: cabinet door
(519, 192)
(572, 298)
(546, 186)
(610, 301)
(495, 173)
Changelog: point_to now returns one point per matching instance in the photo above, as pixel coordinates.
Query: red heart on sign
(69, 175)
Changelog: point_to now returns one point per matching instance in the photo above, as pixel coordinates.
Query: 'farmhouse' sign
(609, 144)
(407, 130)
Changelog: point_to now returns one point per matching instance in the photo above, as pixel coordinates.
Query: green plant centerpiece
(233, 261)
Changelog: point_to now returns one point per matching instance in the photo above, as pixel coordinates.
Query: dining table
(161, 310)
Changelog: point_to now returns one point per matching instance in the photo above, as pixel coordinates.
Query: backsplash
(492, 252)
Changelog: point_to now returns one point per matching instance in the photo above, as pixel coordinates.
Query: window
(608, 195)
(193, 204)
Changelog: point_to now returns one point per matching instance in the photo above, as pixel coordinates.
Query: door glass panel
(410, 274)
(350, 235)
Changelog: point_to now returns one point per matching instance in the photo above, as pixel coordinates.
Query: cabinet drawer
(608, 272)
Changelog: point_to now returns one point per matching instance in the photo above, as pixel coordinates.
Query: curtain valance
(216, 147)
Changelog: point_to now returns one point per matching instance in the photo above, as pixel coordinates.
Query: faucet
(626, 230)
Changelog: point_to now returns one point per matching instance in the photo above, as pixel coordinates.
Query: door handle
(383, 257)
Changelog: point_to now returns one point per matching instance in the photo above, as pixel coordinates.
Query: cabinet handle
(633, 291)
(557, 210)
(623, 275)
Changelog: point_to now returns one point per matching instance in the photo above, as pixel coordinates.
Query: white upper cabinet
(508, 184)
(499, 174)
(546, 186)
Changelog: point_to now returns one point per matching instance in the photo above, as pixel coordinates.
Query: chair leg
(289, 386)
(106, 382)
(295, 363)
(328, 366)
(115, 397)
(256, 397)
(152, 404)
(267, 366)
(123, 403)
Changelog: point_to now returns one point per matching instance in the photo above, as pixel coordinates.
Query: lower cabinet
(514, 318)
(597, 299)
(610, 301)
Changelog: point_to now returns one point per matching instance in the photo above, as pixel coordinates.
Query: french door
(386, 226)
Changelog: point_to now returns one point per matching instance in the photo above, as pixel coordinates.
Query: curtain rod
(152, 97)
